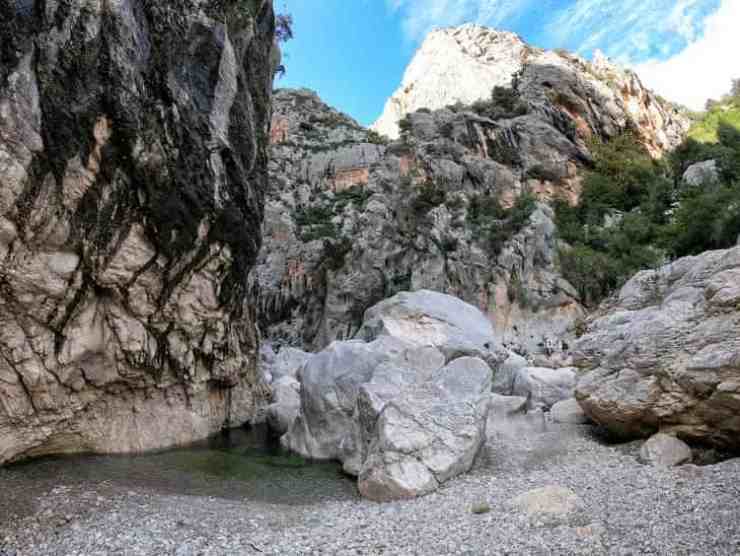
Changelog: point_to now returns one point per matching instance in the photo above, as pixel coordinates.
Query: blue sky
(354, 52)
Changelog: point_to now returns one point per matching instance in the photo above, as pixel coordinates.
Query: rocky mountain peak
(455, 64)
(463, 64)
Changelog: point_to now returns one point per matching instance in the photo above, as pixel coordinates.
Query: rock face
(334, 247)
(665, 354)
(403, 409)
(353, 219)
(133, 161)
(462, 65)
(454, 65)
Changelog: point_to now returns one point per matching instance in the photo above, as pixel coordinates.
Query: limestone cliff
(133, 162)
(462, 64)
(460, 203)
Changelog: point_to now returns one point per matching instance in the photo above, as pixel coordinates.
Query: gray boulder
(702, 173)
(405, 410)
(663, 450)
(666, 353)
(428, 434)
(568, 412)
(286, 402)
(431, 318)
(328, 424)
(288, 361)
(503, 379)
(544, 387)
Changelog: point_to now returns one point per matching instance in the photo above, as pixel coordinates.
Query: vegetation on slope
(636, 213)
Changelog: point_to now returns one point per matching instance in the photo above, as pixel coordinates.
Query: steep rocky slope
(133, 161)
(463, 64)
(459, 204)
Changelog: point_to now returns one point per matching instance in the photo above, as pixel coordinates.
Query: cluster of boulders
(404, 405)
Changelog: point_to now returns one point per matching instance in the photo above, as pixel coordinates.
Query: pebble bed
(624, 508)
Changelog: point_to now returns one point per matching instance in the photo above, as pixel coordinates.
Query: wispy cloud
(421, 16)
(630, 30)
(705, 67)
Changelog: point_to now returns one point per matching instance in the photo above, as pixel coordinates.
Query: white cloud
(627, 29)
(705, 68)
(421, 16)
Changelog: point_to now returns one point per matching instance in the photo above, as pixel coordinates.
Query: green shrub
(593, 274)
(626, 180)
(376, 138)
(335, 253)
(704, 220)
(405, 125)
(503, 103)
(495, 225)
(357, 195)
(428, 196)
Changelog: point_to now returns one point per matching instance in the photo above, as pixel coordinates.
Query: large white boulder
(328, 424)
(428, 433)
(431, 318)
(404, 408)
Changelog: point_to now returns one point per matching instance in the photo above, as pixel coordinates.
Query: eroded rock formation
(133, 162)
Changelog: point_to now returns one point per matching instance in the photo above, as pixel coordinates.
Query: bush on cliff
(635, 213)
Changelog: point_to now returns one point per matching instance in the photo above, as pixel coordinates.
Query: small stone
(548, 501)
(480, 508)
(663, 450)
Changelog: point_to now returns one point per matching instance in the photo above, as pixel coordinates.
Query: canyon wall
(133, 159)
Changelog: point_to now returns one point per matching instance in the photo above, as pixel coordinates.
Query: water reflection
(241, 464)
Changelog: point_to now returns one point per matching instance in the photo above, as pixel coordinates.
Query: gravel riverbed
(615, 505)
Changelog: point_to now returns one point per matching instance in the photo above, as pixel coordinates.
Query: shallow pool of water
(241, 464)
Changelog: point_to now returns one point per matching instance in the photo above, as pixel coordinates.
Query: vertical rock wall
(133, 160)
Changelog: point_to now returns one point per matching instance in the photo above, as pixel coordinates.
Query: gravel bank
(622, 507)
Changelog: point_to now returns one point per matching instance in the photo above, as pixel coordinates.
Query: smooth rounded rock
(544, 387)
(568, 412)
(663, 450)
